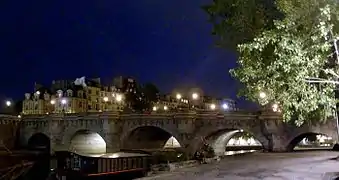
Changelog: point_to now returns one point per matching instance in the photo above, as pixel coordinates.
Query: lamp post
(178, 96)
(262, 95)
(8, 103)
(105, 101)
(52, 104)
(225, 106)
(195, 96)
(212, 106)
(118, 99)
(63, 102)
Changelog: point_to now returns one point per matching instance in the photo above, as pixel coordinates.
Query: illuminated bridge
(106, 132)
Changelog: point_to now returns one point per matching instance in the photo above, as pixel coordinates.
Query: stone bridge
(113, 131)
(9, 126)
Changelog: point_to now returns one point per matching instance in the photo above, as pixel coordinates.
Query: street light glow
(154, 108)
(275, 107)
(262, 95)
(118, 97)
(165, 108)
(38, 92)
(52, 102)
(195, 95)
(213, 106)
(63, 101)
(178, 96)
(8, 103)
(105, 99)
(225, 106)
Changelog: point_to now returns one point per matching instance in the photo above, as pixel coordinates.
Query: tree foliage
(287, 60)
(151, 92)
(285, 50)
(239, 21)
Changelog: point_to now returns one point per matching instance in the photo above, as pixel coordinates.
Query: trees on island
(143, 98)
(287, 52)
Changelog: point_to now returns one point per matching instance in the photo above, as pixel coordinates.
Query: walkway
(261, 166)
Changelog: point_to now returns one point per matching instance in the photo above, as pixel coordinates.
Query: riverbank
(310, 165)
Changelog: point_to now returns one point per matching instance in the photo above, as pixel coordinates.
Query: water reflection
(315, 142)
(241, 141)
(230, 153)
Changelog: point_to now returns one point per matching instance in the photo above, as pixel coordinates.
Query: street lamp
(178, 96)
(165, 108)
(275, 107)
(118, 97)
(262, 95)
(52, 102)
(8, 103)
(155, 108)
(63, 102)
(195, 96)
(225, 106)
(38, 92)
(212, 106)
(105, 100)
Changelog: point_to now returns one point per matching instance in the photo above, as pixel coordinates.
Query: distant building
(91, 95)
(125, 84)
(168, 102)
(63, 96)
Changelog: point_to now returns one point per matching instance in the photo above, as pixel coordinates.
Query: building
(91, 95)
(34, 104)
(64, 96)
(169, 102)
(193, 99)
(129, 88)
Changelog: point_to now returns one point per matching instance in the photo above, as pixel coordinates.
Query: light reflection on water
(230, 153)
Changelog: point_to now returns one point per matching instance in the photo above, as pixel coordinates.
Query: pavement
(309, 165)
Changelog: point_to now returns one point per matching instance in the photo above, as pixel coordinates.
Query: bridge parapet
(236, 115)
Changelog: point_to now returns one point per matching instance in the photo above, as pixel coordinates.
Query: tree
(134, 99)
(151, 92)
(288, 61)
(143, 98)
(239, 21)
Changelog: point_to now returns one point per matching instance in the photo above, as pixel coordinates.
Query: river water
(45, 164)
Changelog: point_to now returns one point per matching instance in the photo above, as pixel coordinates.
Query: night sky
(165, 42)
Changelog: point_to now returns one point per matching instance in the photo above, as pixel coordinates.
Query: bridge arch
(218, 139)
(87, 142)
(295, 140)
(39, 142)
(149, 137)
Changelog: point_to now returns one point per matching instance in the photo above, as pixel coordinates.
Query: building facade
(64, 96)
(91, 95)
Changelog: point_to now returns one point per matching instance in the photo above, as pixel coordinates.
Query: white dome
(88, 143)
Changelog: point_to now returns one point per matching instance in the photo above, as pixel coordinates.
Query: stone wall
(190, 129)
(9, 131)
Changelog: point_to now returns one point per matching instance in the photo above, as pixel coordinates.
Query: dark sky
(165, 42)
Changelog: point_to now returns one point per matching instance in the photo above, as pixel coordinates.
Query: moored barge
(72, 165)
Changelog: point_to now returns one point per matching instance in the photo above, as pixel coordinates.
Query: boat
(71, 165)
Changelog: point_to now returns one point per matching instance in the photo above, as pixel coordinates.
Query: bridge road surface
(309, 165)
